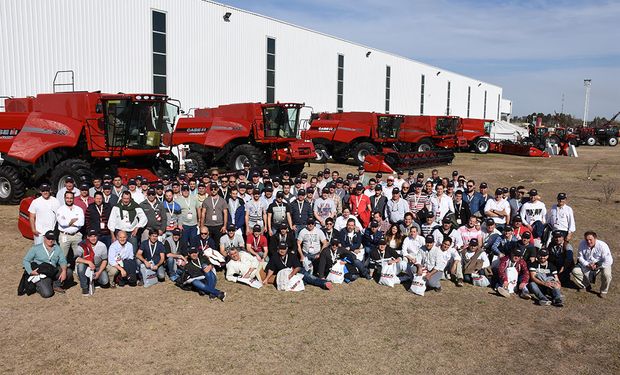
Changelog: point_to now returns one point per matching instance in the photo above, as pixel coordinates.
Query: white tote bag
(388, 274)
(418, 285)
(294, 284)
(479, 280)
(512, 275)
(336, 274)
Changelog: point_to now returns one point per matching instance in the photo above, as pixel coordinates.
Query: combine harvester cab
(51, 137)
(230, 135)
(424, 133)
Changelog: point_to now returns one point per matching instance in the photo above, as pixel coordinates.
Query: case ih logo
(8, 132)
(31, 129)
(197, 130)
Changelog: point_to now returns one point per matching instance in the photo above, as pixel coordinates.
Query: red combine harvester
(371, 139)
(230, 135)
(79, 134)
(423, 133)
(473, 134)
(604, 135)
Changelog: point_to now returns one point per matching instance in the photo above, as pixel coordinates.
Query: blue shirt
(39, 254)
(152, 252)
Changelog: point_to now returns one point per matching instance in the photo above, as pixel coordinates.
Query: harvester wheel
(340, 157)
(243, 153)
(482, 146)
(197, 161)
(612, 141)
(424, 145)
(295, 169)
(591, 141)
(321, 153)
(79, 170)
(12, 188)
(363, 149)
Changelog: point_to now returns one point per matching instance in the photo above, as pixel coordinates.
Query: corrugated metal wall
(211, 62)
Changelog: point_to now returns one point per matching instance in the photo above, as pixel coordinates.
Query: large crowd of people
(252, 228)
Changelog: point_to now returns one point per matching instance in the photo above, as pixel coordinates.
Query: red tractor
(258, 133)
(353, 134)
(606, 134)
(423, 133)
(474, 134)
(78, 134)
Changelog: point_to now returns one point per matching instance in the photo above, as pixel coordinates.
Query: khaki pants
(582, 277)
(69, 241)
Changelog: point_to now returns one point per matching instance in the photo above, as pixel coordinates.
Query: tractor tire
(12, 188)
(321, 153)
(590, 141)
(197, 161)
(242, 153)
(612, 141)
(340, 157)
(361, 150)
(295, 169)
(79, 170)
(424, 145)
(482, 146)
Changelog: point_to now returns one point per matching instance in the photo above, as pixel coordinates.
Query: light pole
(587, 83)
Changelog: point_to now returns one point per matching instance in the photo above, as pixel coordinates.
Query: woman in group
(394, 238)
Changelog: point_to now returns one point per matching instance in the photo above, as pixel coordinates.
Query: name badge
(458, 221)
(214, 217)
(102, 225)
(190, 215)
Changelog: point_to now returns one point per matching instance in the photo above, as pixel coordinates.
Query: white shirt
(483, 257)
(65, 214)
(241, 266)
(45, 213)
(117, 253)
(441, 205)
(599, 254)
(61, 193)
(137, 196)
(122, 223)
(561, 218)
(311, 241)
(341, 223)
(412, 247)
(455, 235)
(502, 205)
(533, 211)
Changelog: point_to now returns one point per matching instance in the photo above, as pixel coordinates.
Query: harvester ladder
(72, 83)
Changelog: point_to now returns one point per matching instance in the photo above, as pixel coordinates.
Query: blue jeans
(540, 290)
(207, 285)
(80, 268)
(310, 279)
(189, 232)
(171, 266)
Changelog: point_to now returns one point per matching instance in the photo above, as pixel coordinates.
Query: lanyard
(334, 255)
(301, 206)
(358, 201)
(285, 260)
(214, 202)
(167, 205)
(49, 254)
(199, 265)
(187, 203)
(204, 244)
(100, 210)
(256, 242)
(152, 250)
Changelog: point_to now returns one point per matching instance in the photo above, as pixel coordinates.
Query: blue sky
(536, 50)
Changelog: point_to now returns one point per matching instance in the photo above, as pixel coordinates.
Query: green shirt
(39, 254)
(188, 210)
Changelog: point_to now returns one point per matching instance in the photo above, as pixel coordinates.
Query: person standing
(97, 218)
(83, 200)
(127, 216)
(594, 259)
(301, 211)
(360, 205)
(561, 217)
(70, 220)
(154, 215)
(190, 213)
(42, 213)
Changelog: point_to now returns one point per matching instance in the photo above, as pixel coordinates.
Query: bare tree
(590, 169)
(609, 188)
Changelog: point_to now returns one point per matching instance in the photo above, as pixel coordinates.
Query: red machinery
(423, 133)
(77, 134)
(230, 135)
(604, 135)
(473, 134)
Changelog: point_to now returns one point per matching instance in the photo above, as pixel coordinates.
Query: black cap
(561, 196)
(185, 187)
(543, 252)
(378, 187)
(411, 172)
(92, 232)
(255, 174)
(359, 186)
(517, 251)
(301, 192)
(557, 233)
(400, 172)
(69, 179)
(325, 190)
(192, 250)
(131, 182)
(484, 185)
(257, 228)
(334, 241)
(339, 180)
(473, 242)
(517, 218)
(159, 187)
(106, 177)
(349, 176)
(395, 191)
(165, 177)
(175, 183)
(50, 235)
(360, 168)
(84, 187)
(231, 228)
(241, 185)
(255, 192)
(280, 194)
(498, 191)
(213, 185)
(379, 175)
(382, 242)
(420, 175)
(269, 188)
(429, 239)
(489, 221)
(45, 187)
(326, 170)
(297, 180)
(282, 245)
(505, 190)
(446, 220)
(526, 235)
(310, 190)
(201, 185)
(508, 228)
(286, 173)
(310, 221)
(106, 187)
(533, 192)
(455, 173)
(304, 175)
(176, 232)
(374, 224)
(246, 164)
(450, 184)
(283, 226)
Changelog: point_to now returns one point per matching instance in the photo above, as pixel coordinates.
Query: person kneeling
(544, 280)
(92, 254)
(199, 272)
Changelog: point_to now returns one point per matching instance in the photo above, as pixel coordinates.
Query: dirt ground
(357, 328)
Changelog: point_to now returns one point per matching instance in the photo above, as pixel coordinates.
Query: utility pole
(562, 111)
(587, 83)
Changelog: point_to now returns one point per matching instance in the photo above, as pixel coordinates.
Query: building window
(499, 98)
(271, 70)
(484, 112)
(468, 99)
(388, 73)
(340, 95)
(422, 95)
(448, 103)
(159, 52)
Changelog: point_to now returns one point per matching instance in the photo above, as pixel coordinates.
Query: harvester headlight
(138, 97)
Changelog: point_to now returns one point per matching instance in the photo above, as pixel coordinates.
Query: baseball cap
(311, 221)
(484, 185)
(283, 226)
(420, 175)
(50, 235)
(326, 170)
(473, 242)
(185, 187)
(282, 245)
(279, 194)
(395, 191)
(325, 190)
(45, 187)
(360, 168)
(106, 177)
(446, 220)
(84, 187)
(374, 224)
(241, 185)
(429, 239)
(193, 250)
(517, 252)
(131, 182)
(505, 190)
(489, 221)
(498, 191)
(400, 172)
(301, 192)
(507, 228)
(334, 241)
(517, 218)
(257, 228)
(455, 173)
(176, 232)
(286, 173)
(310, 190)
(175, 183)
(159, 187)
(109, 187)
(379, 175)
(349, 176)
(304, 175)
(378, 188)
(382, 242)
(165, 177)
(231, 228)
(533, 192)
(269, 188)
(557, 233)
(69, 179)
(561, 196)
(411, 172)
(543, 252)
(526, 235)
(92, 232)
(213, 185)
(255, 174)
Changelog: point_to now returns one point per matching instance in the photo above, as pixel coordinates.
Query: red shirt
(79, 201)
(258, 244)
(360, 207)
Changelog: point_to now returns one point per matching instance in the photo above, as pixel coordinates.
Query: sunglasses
(203, 233)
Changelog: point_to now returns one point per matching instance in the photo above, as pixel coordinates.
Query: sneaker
(459, 283)
(588, 289)
(503, 292)
(140, 283)
(558, 303)
(602, 295)
(60, 290)
(211, 296)
(222, 296)
(526, 295)
(174, 278)
(328, 285)
(544, 302)
(85, 293)
(438, 290)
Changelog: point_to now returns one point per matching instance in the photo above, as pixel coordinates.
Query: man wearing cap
(256, 181)
(108, 197)
(475, 260)
(232, 239)
(544, 280)
(446, 230)
(255, 213)
(55, 268)
(534, 213)
(175, 252)
(83, 200)
(117, 187)
(128, 216)
(360, 205)
(285, 260)
(502, 245)
(278, 213)
(442, 262)
(200, 272)
(152, 255)
(311, 241)
(561, 217)
(378, 201)
(594, 260)
(236, 210)
(97, 217)
(324, 207)
(515, 259)
(561, 255)
(70, 221)
(329, 256)
(256, 244)
(301, 211)
(473, 198)
(389, 186)
(92, 254)
(97, 186)
(489, 234)
(69, 186)
(498, 209)
(396, 208)
(190, 213)
(241, 265)
(516, 200)
(351, 239)
(519, 229)
(136, 194)
(326, 178)
(214, 213)
(155, 217)
(484, 196)
(284, 235)
(42, 213)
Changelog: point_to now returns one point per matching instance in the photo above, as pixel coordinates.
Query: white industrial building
(205, 54)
